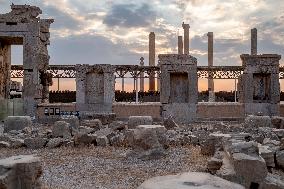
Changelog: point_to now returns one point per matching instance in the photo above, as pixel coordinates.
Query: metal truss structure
(214, 72)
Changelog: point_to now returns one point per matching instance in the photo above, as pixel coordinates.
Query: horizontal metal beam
(214, 72)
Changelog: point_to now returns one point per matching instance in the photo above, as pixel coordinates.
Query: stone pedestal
(179, 90)
(259, 87)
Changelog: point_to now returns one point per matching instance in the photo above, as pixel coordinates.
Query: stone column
(5, 69)
(142, 75)
(254, 41)
(186, 37)
(122, 84)
(152, 55)
(211, 97)
(180, 45)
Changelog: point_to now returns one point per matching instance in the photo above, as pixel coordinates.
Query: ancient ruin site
(162, 121)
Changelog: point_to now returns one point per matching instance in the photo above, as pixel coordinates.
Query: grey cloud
(89, 49)
(130, 15)
(62, 19)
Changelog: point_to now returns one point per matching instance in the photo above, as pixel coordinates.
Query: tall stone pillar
(180, 45)
(142, 76)
(152, 55)
(211, 97)
(122, 85)
(5, 69)
(186, 37)
(254, 41)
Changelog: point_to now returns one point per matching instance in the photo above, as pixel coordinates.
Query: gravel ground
(108, 168)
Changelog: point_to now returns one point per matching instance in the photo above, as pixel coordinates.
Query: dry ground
(108, 168)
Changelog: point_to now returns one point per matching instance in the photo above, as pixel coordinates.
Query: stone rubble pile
(236, 150)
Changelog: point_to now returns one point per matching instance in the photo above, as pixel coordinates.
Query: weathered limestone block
(20, 172)
(105, 118)
(257, 121)
(134, 121)
(17, 123)
(61, 129)
(277, 122)
(169, 123)
(85, 139)
(243, 164)
(96, 124)
(35, 143)
(102, 141)
(189, 180)
(4, 144)
(118, 126)
(55, 142)
(267, 155)
(280, 159)
(72, 120)
(272, 182)
(214, 164)
(148, 141)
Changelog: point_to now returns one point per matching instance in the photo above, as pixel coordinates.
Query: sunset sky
(116, 31)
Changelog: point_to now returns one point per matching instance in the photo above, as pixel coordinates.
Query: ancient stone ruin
(177, 142)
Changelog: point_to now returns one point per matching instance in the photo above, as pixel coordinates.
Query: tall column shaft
(122, 84)
(254, 41)
(152, 55)
(5, 69)
(210, 64)
(180, 45)
(142, 76)
(186, 37)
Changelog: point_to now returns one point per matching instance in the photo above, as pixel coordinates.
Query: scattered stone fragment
(16, 123)
(190, 180)
(85, 139)
(4, 144)
(35, 143)
(169, 123)
(61, 129)
(55, 142)
(280, 159)
(102, 141)
(95, 124)
(139, 120)
(20, 172)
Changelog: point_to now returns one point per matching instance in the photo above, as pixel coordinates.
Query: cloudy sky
(116, 31)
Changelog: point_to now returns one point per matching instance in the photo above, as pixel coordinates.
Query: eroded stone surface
(190, 180)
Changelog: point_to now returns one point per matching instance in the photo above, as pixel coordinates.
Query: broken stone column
(211, 97)
(186, 37)
(20, 172)
(142, 76)
(95, 88)
(152, 56)
(178, 87)
(254, 41)
(5, 70)
(180, 45)
(259, 87)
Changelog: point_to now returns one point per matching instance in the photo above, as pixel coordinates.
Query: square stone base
(181, 112)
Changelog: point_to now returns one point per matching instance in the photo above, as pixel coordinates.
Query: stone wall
(5, 67)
